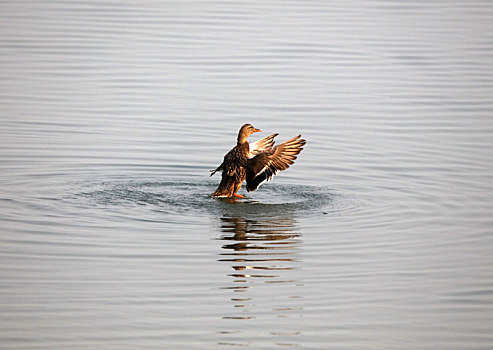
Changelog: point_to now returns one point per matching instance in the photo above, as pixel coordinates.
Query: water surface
(113, 113)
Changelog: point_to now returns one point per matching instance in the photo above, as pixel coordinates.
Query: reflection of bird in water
(255, 163)
(259, 235)
(260, 246)
(262, 253)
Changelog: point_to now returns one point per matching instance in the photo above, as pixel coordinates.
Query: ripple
(177, 197)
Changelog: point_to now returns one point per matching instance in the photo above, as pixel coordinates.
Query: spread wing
(261, 145)
(266, 164)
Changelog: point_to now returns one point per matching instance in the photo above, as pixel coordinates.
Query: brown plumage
(254, 163)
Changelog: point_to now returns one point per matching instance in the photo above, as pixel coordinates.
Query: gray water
(379, 237)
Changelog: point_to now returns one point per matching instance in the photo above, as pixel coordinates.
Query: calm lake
(112, 113)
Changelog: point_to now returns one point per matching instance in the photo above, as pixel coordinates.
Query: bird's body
(233, 171)
(254, 163)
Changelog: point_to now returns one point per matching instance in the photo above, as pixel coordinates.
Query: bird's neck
(242, 139)
(244, 147)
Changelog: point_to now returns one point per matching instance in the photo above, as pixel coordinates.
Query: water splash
(176, 197)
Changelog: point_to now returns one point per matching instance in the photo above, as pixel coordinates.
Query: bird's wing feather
(261, 145)
(266, 164)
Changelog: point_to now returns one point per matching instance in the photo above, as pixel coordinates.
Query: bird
(256, 162)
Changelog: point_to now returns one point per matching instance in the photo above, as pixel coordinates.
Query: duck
(254, 163)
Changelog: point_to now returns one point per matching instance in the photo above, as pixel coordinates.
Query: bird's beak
(257, 130)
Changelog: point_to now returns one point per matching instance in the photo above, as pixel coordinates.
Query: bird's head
(245, 131)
